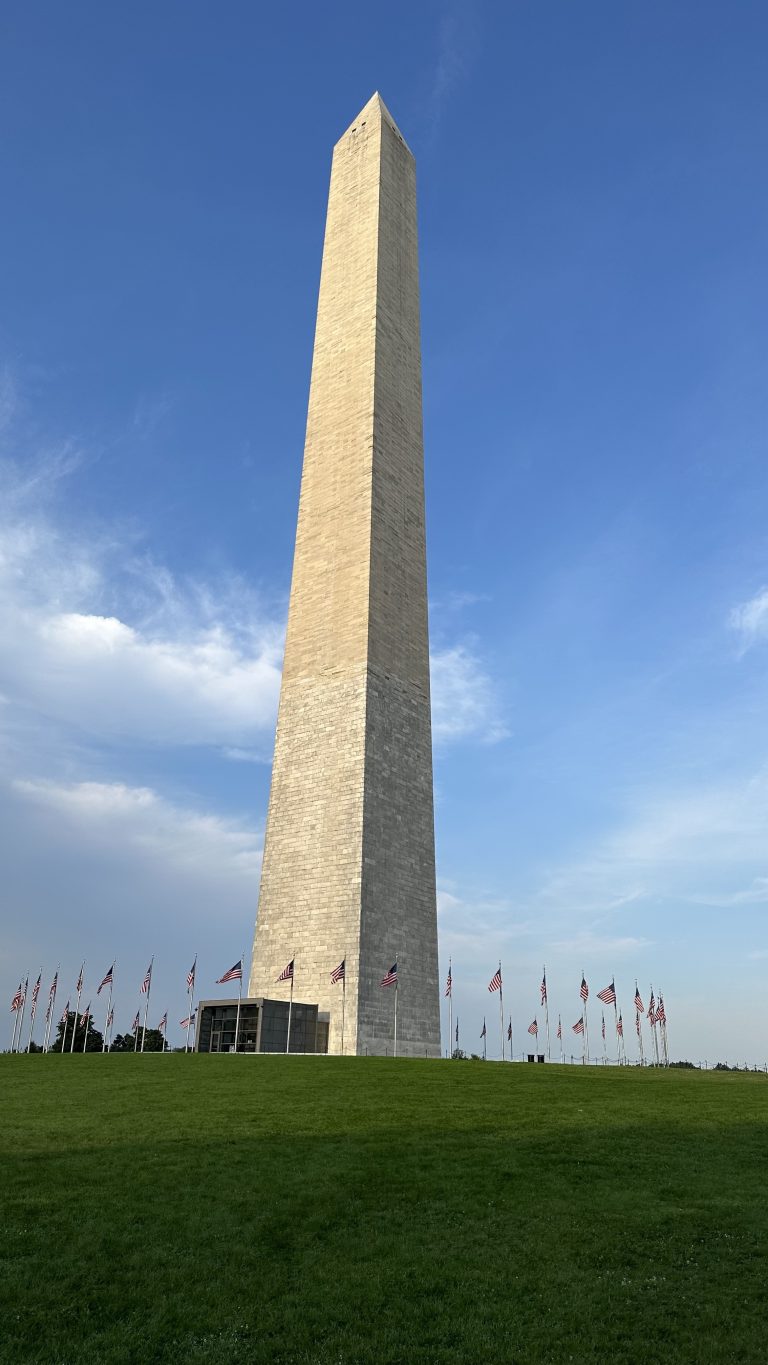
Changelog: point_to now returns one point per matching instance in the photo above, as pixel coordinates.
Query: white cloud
(464, 701)
(750, 618)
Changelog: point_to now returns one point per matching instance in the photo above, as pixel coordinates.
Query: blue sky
(593, 213)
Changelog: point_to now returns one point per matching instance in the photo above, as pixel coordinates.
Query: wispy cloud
(465, 703)
(456, 47)
(750, 618)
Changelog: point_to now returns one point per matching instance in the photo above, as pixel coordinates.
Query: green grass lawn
(227, 1209)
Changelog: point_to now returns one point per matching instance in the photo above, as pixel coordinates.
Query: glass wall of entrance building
(263, 1027)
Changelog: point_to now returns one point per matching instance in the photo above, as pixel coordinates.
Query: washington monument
(349, 855)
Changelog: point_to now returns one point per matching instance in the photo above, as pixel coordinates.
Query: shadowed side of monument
(349, 867)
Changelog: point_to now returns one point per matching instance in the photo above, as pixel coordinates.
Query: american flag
(33, 1010)
(559, 1027)
(390, 979)
(146, 983)
(509, 1032)
(457, 1029)
(620, 1026)
(191, 976)
(36, 989)
(54, 984)
(482, 1035)
(110, 1019)
(48, 1009)
(637, 1022)
(184, 1023)
(162, 1026)
(85, 1016)
(661, 1012)
(638, 1001)
(65, 1014)
(608, 996)
(17, 999)
(286, 974)
(534, 1027)
(339, 973)
(107, 979)
(584, 992)
(495, 982)
(449, 983)
(651, 1010)
(544, 989)
(235, 974)
(135, 1024)
(79, 985)
(603, 1028)
(579, 1027)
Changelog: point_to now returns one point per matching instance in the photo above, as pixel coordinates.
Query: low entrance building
(263, 1026)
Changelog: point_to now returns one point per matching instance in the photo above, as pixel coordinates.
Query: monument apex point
(374, 111)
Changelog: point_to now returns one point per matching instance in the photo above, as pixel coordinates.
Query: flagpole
(397, 978)
(146, 1007)
(87, 1022)
(639, 1031)
(501, 1012)
(15, 1029)
(33, 1011)
(343, 1000)
(239, 998)
(77, 1007)
(450, 1010)
(511, 1040)
(109, 1006)
(191, 994)
(485, 1041)
(23, 1007)
(52, 1007)
(64, 1034)
(560, 1027)
(586, 1024)
(290, 1006)
(654, 1039)
(546, 1010)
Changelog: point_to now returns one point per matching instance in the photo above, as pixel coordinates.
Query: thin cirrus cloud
(750, 619)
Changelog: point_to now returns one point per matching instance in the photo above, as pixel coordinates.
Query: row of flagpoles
(656, 1016)
(656, 1012)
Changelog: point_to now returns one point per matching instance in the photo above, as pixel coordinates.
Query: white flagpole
(64, 1034)
(546, 1010)
(146, 1007)
(87, 1023)
(15, 1029)
(290, 1006)
(501, 1013)
(639, 1031)
(109, 1006)
(560, 1027)
(450, 1010)
(23, 1007)
(77, 1007)
(397, 978)
(511, 1040)
(33, 1011)
(191, 994)
(51, 1008)
(654, 1039)
(343, 1000)
(239, 998)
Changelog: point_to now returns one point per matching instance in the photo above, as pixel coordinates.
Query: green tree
(93, 1043)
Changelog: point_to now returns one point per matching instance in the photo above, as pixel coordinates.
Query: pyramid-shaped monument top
(374, 110)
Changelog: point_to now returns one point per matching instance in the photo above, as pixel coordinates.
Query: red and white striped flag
(495, 982)
(54, 985)
(603, 1028)
(110, 1019)
(534, 1027)
(579, 1026)
(107, 979)
(390, 978)
(191, 976)
(79, 985)
(544, 989)
(147, 982)
(620, 1026)
(135, 1024)
(234, 974)
(559, 1027)
(287, 972)
(584, 992)
(162, 1026)
(339, 973)
(638, 1000)
(608, 995)
(17, 1000)
(85, 1016)
(449, 983)
(36, 989)
(637, 1022)
(185, 1023)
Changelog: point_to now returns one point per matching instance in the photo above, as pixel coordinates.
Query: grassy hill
(227, 1209)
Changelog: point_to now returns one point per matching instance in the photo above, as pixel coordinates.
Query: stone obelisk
(349, 859)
